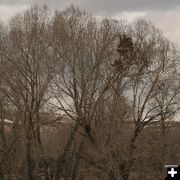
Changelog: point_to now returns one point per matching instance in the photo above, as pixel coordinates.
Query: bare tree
(29, 67)
(113, 82)
(155, 60)
(86, 51)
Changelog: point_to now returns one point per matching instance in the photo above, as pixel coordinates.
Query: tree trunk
(111, 175)
(38, 136)
(77, 161)
(1, 173)
(127, 165)
(61, 159)
(29, 161)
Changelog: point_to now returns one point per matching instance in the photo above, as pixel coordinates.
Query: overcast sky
(165, 14)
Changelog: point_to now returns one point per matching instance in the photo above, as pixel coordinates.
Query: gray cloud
(12, 2)
(104, 7)
(163, 13)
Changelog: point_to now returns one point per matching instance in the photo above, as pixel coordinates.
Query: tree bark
(61, 159)
(29, 161)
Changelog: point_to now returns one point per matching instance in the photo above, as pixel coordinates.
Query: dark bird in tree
(125, 50)
(88, 131)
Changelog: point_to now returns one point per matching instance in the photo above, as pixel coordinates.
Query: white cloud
(168, 22)
(130, 16)
(6, 12)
